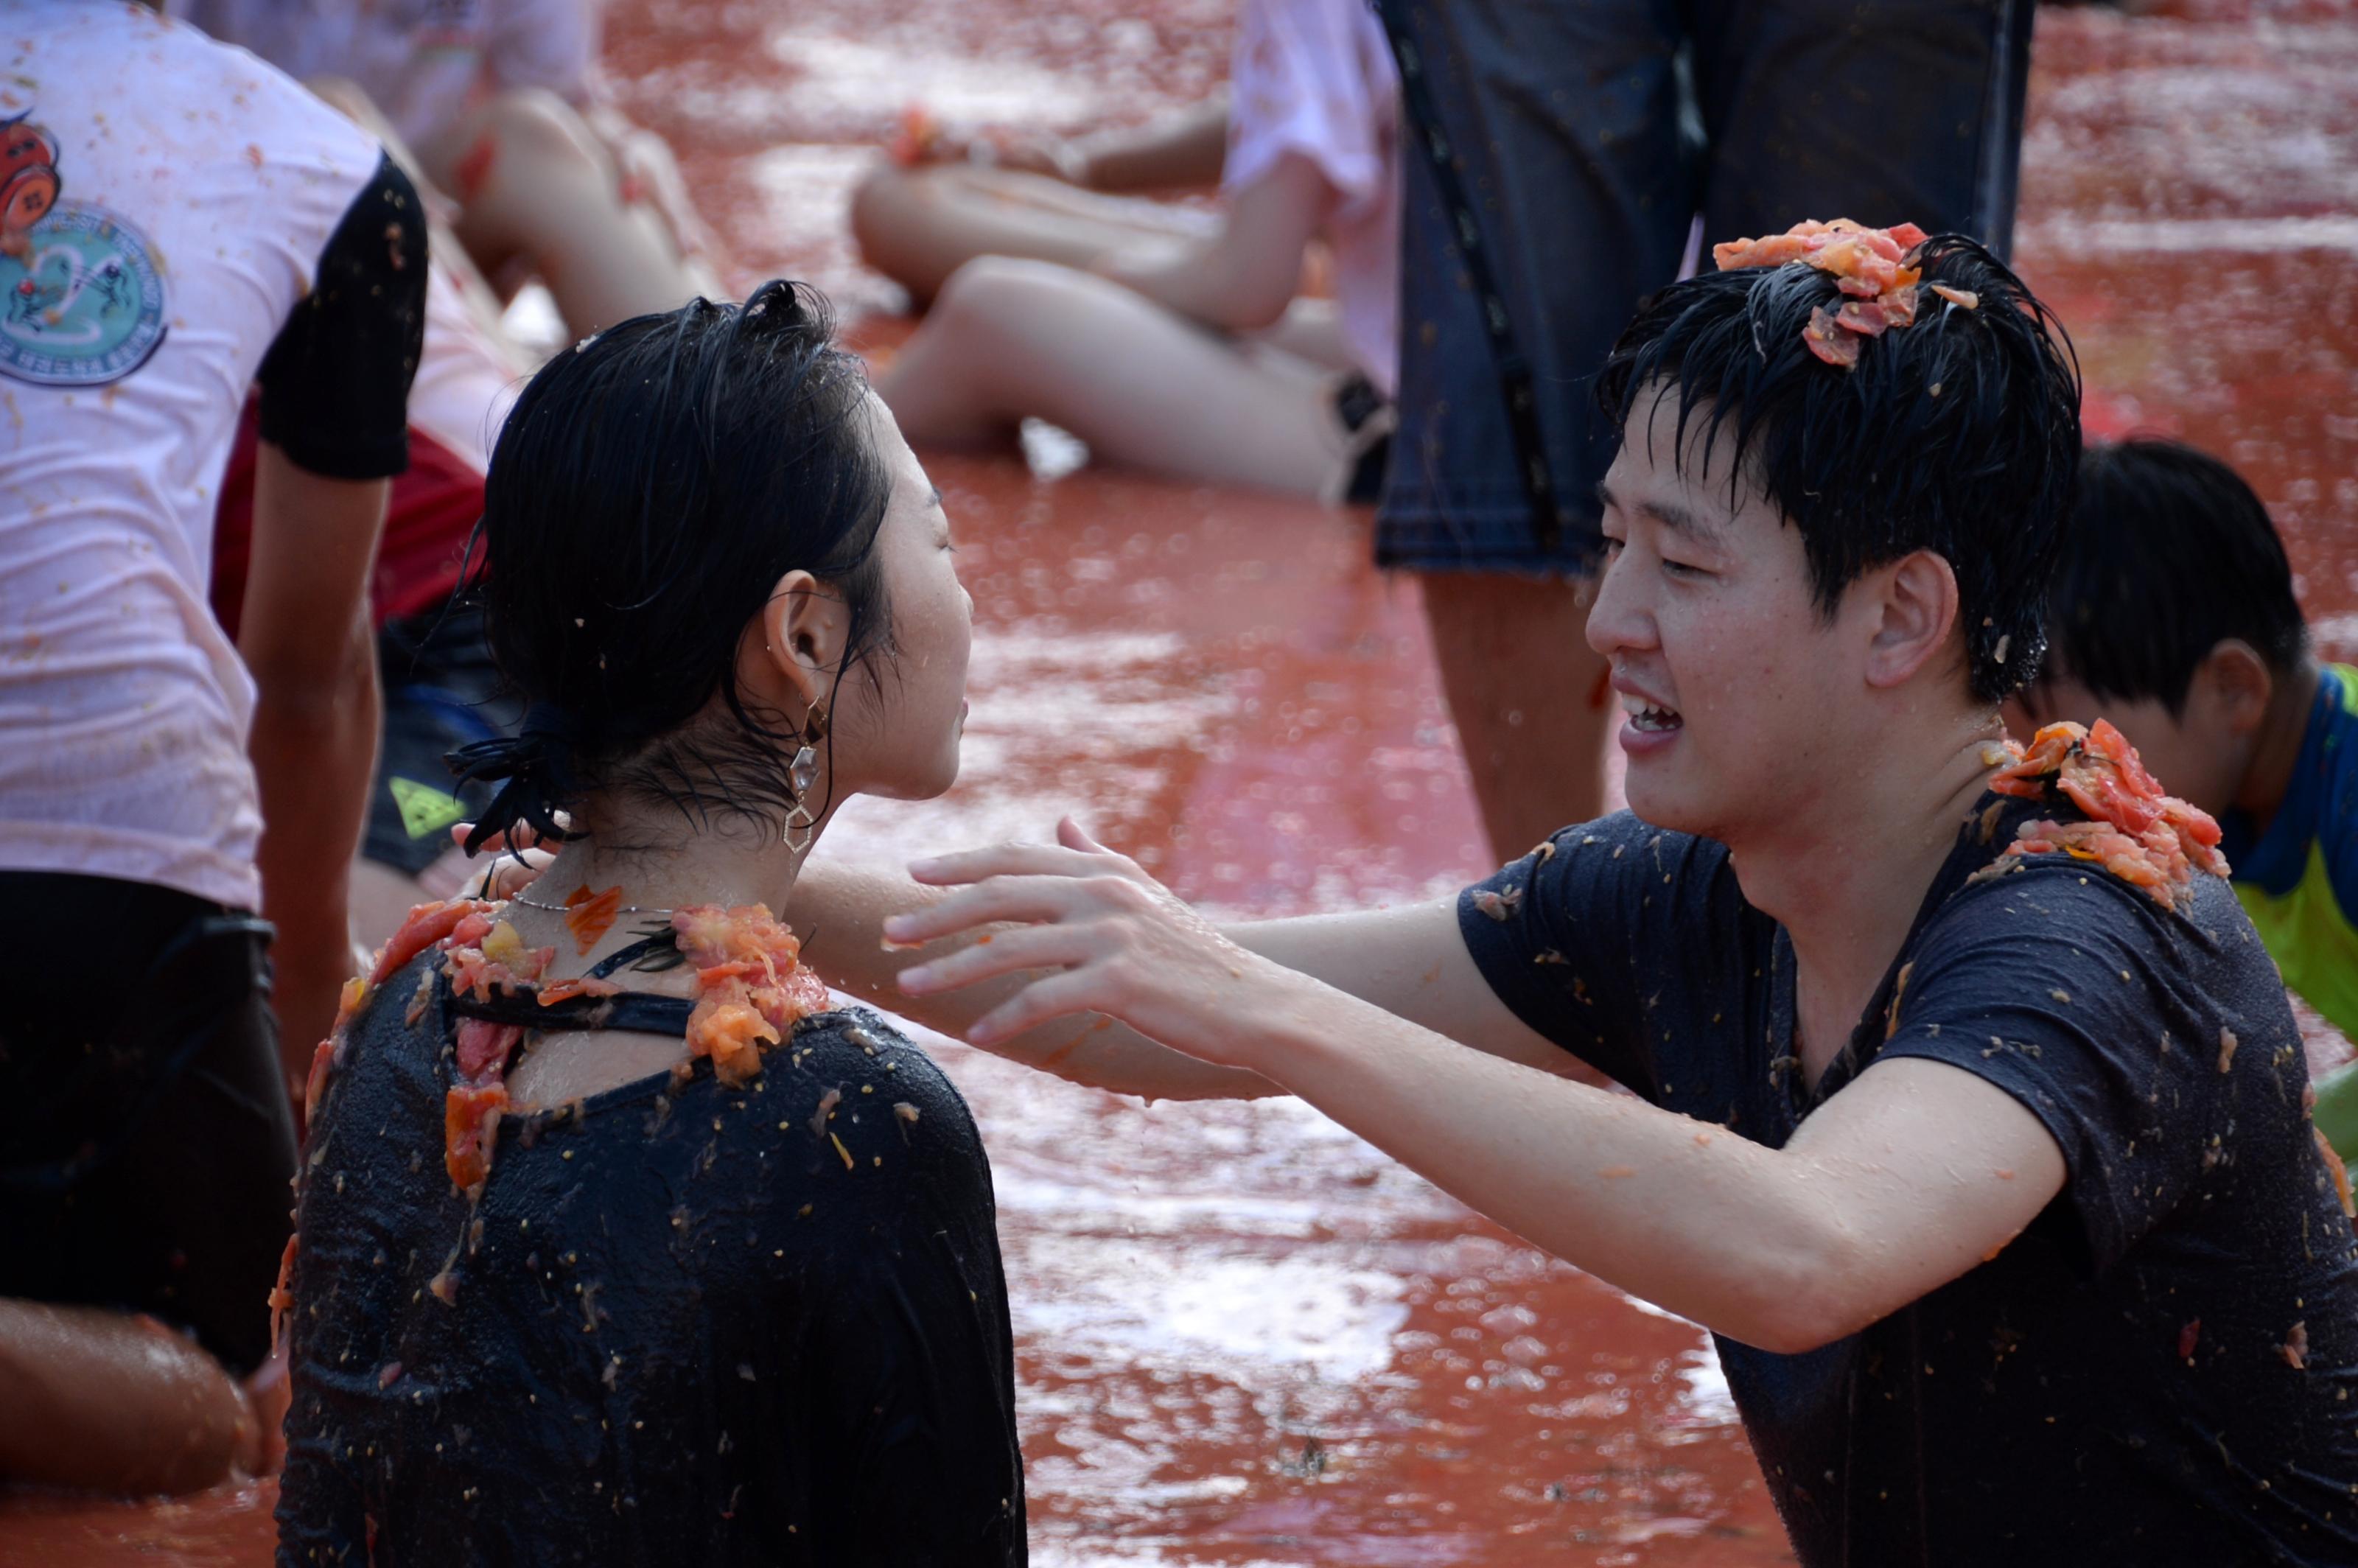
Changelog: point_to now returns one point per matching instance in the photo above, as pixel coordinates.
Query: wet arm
(305, 635)
(1241, 280)
(1186, 147)
(1906, 1180)
(1903, 1180)
(1409, 961)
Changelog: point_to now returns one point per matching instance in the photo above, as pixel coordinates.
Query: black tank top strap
(641, 1012)
(621, 957)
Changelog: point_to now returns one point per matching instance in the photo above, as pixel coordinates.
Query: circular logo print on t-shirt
(80, 300)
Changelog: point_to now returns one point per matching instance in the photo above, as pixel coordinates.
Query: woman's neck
(661, 861)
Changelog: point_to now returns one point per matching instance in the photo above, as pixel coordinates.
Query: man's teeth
(1644, 715)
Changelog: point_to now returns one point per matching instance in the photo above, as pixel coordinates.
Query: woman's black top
(684, 1325)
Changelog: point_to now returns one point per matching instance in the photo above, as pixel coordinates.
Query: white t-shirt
(194, 189)
(1315, 78)
(420, 62)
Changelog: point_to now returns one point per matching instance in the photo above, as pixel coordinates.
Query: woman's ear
(803, 628)
(1916, 610)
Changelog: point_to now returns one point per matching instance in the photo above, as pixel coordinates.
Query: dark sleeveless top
(684, 1325)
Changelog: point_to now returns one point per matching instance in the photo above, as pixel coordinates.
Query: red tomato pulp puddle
(1245, 1338)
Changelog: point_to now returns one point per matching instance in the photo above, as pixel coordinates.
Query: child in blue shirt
(2173, 615)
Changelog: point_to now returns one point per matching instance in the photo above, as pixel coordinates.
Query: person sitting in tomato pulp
(2173, 613)
(1966, 1111)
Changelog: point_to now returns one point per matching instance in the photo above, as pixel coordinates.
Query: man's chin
(1659, 804)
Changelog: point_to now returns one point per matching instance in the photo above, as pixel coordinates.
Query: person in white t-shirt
(504, 105)
(441, 691)
(1184, 356)
(177, 222)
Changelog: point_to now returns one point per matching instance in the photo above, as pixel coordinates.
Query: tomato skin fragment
(484, 1047)
(590, 915)
(471, 1121)
(281, 1297)
(315, 1083)
(2338, 1171)
(1870, 267)
(2145, 837)
(1825, 338)
(426, 924)
(751, 985)
(556, 992)
(731, 1031)
(354, 995)
(916, 138)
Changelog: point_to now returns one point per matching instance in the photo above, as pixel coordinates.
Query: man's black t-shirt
(2161, 1368)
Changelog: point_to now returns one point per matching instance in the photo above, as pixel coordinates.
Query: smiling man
(1967, 1112)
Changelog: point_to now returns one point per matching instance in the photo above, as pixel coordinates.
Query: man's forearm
(1706, 1224)
(314, 751)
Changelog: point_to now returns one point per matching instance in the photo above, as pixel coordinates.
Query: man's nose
(1617, 623)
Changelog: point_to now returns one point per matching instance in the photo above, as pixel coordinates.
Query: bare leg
(917, 226)
(1311, 330)
(534, 183)
(112, 1403)
(449, 257)
(1527, 693)
(1140, 386)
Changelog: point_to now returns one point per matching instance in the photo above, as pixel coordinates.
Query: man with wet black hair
(2173, 614)
(1965, 1111)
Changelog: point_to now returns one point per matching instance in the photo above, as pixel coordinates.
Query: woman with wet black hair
(616, 1243)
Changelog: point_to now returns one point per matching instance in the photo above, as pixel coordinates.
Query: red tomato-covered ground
(1246, 1337)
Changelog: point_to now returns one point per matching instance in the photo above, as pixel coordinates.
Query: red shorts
(428, 519)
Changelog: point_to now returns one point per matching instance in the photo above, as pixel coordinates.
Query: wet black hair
(1958, 434)
(2169, 553)
(649, 489)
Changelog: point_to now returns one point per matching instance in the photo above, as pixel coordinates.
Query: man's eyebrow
(1679, 520)
(1669, 514)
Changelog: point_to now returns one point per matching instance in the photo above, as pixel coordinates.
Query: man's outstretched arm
(1408, 961)
(1907, 1179)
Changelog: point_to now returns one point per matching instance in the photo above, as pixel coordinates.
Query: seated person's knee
(536, 123)
(996, 294)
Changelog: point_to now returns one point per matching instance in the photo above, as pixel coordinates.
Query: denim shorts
(1587, 136)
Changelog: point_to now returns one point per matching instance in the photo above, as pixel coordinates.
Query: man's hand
(1111, 939)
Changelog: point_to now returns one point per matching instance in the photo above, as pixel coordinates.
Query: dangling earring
(802, 774)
